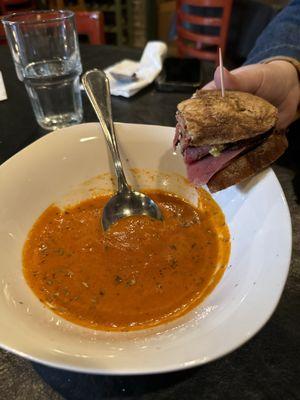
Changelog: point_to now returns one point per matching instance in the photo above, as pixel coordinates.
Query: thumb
(234, 80)
(230, 81)
(245, 79)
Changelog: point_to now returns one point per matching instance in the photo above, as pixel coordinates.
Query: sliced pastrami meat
(181, 137)
(192, 154)
(201, 171)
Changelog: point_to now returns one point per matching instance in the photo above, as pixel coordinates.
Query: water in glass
(44, 47)
(54, 90)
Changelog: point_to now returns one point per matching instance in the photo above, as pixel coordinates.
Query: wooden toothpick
(221, 72)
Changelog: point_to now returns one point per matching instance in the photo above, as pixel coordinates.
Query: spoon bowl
(126, 202)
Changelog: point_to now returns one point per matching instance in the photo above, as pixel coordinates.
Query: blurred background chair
(91, 24)
(202, 27)
(117, 15)
(9, 6)
(2, 33)
(134, 22)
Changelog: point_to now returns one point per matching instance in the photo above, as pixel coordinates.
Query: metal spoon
(126, 202)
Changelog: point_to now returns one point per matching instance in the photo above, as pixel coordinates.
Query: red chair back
(2, 7)
(2, 33)
(91, 24)
(9, 6)
(190, 25)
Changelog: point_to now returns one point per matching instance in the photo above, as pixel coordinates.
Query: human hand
(276, 81)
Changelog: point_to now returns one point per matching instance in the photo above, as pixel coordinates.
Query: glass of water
(44, 47)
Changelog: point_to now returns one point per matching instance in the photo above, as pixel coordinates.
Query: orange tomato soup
(139, 274)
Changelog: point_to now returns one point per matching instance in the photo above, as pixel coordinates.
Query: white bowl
(239, 306)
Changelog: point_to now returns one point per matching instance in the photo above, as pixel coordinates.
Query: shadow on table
(76, 386)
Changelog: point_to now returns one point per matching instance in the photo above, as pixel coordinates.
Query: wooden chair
(91, 24)
(199, 35)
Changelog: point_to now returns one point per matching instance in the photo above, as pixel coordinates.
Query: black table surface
(266, 367)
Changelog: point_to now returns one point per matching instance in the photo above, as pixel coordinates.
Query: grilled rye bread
(208, 118)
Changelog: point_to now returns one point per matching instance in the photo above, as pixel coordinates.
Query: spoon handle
(96, 85)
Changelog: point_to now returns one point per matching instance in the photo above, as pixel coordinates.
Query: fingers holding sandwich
(276, 82)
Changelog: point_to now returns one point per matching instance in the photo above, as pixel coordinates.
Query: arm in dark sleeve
(280, 38)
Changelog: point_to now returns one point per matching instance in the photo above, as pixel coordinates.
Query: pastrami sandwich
(225, 140)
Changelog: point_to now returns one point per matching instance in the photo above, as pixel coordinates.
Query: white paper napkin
(3, 95)
(146, 70)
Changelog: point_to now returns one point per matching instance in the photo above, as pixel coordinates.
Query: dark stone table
(266, 367)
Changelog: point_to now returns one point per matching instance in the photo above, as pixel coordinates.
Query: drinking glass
(44, 47)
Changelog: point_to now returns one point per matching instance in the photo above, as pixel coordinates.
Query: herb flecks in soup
(141, 273)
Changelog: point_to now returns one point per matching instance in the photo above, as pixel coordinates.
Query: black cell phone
(179, 75)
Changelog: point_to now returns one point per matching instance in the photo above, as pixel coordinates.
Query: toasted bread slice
(250, 163)
(212, 119)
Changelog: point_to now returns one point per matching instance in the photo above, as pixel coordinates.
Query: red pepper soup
(139, 274)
